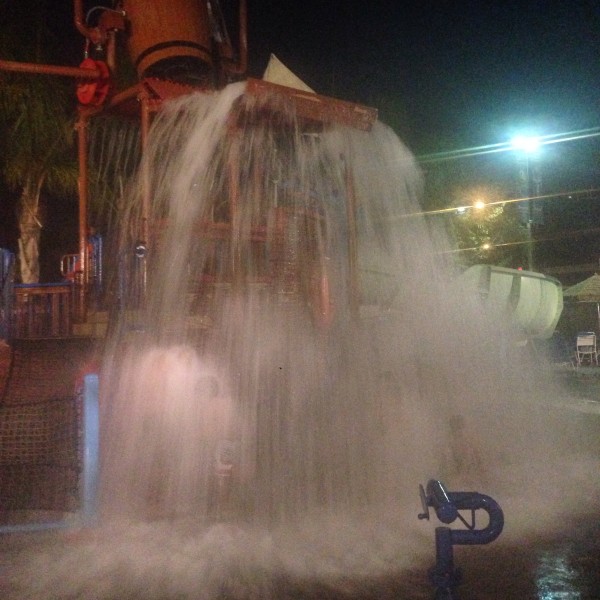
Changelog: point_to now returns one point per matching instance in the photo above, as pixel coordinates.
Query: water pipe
(94, 34)
(447, 506)
(241, 66)
(40, 69)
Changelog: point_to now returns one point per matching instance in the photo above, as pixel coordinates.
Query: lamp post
(527, 147)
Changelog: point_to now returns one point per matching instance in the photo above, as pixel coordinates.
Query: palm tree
(36, 128)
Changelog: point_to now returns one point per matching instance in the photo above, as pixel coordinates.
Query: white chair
(586, 348)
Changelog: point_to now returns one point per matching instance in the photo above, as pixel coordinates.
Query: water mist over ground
(255, 429)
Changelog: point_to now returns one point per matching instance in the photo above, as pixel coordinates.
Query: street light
(528, 147)
(527, 144)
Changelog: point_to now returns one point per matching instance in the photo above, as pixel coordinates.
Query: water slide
(532, 301)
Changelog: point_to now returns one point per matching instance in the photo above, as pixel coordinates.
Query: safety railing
(42, 310)
(49, 461)
(68, 265)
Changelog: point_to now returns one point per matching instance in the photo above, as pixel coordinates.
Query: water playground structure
(177, 51)
(287, 345)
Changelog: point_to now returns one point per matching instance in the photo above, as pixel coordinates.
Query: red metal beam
(74, 72)
(82, 274)
(318, 108)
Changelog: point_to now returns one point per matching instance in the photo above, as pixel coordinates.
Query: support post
(91, 449)
(83, 187)
(353, 284)
(145, 128)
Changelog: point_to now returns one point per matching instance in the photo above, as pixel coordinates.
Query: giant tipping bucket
(170, 39)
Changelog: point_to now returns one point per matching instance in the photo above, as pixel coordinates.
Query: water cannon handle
(440, 500)
(424, 505)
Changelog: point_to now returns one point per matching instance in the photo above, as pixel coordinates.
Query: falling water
(252, 280)
(292, 354)
(113, 157)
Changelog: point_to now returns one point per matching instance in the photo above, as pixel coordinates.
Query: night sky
(445, 75)
(449, 76)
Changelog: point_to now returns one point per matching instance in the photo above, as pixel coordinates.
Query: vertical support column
(353, 283)
(142, 244)
(91, 449)
(81, 273)
(145, 128)
(233, 174)
(530, 263)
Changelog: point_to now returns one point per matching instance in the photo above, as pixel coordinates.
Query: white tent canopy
(277, 72)
(587, 291)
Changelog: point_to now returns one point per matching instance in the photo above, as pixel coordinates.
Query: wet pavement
(564, 565)
(558, 562)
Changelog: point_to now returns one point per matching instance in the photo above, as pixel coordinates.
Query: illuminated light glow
(486, 246)
(479, 204)
(463, 209)
(528, 144)
(555, 138)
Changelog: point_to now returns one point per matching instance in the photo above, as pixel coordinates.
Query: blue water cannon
(447, 506)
